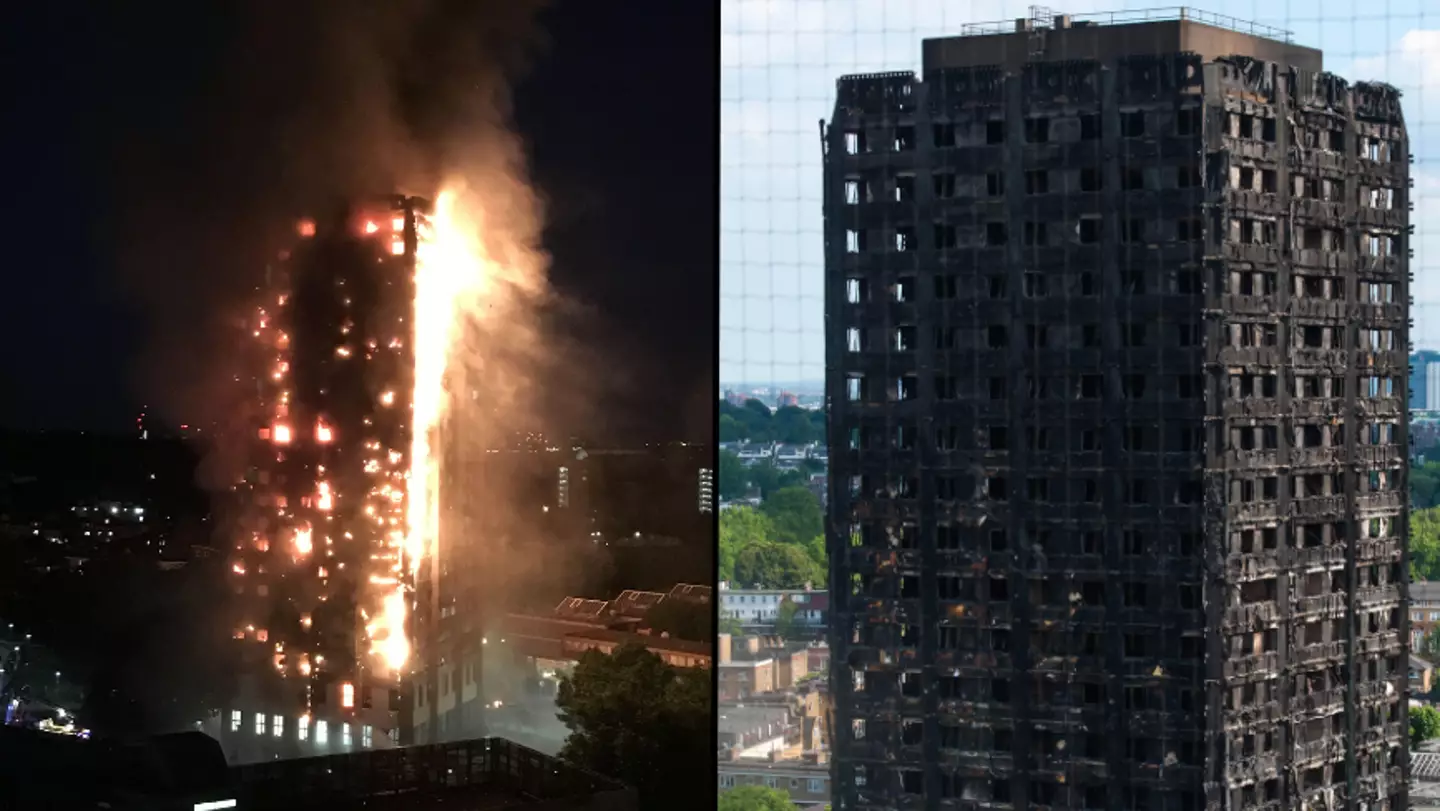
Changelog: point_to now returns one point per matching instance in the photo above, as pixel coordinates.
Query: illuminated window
(237, 718)
(322, 733)
(365, 736)
(303, 725)
(259, 723)
(344, 734)
(277, 726)
(347, 695)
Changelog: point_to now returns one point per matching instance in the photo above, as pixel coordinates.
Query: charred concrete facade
(1116, 344)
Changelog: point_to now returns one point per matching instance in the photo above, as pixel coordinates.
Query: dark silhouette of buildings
(1116, 349)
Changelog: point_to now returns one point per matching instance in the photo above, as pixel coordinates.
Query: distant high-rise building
(1425, 381)
(1116, 342)
(706, 487)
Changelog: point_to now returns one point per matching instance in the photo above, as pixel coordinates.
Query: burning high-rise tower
(334, 519)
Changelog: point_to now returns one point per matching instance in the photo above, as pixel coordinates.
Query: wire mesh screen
(1108, 323)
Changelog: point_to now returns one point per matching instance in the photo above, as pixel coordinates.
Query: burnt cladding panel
(1069, 396)
(989, 414)
(1305, 485)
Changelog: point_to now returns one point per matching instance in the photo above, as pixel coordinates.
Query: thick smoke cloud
(290, 106)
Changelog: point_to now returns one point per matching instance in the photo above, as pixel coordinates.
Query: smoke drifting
(312, 101)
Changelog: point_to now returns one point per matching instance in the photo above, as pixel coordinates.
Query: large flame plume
(450, 274)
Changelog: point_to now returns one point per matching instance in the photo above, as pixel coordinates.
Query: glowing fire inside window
(371, 227)
(281, 433)
(306, 228)
(323, 433)
(347, 695)
(397, 248)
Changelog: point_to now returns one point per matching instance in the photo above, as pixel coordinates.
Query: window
(259, 723)
(816, 785)
(322, 733)
(1037, 130)
(345, 739)
(995, 132)
(366, 736)
(277, 726)
(302, 727)
(237, 718)
(727, 781)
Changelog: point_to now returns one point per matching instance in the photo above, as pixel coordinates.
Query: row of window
(1082, 489)
(1042, 129)
(1089, 230)
(861, 388)
(949, 184)
(1136, 542)
(1251, 334)
(812, 785)
(1036, 284)
(274, 725)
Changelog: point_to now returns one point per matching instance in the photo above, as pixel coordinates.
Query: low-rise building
(1421, 673)
(1424, 611)
(761, 607)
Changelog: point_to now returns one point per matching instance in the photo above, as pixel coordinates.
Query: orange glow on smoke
(306, 228)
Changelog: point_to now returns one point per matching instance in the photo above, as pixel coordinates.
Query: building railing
(1046, 20)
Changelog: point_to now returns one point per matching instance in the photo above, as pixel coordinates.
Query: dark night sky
(141, 147)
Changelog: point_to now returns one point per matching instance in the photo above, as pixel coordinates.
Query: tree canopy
(754, 798)
(754, 422)
(780, 545)
(795, 514)
(639, 720)
(1425, 544)
(1425, 485)
(1424, 724)
(768, 564)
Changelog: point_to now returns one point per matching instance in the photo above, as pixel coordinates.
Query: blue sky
(779, 62)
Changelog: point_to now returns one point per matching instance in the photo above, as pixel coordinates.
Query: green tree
(740, 527)
(792, 424)
(796, 514)
(1425, 544)
(1430, 645)
(733, 480)
(815, 548)
(785, 618)
(773, 565)
(731, 626)
(682, 619)
(731, 429)
(1425, 485)
(754, 798)
(635, 718)
(1424, 724)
